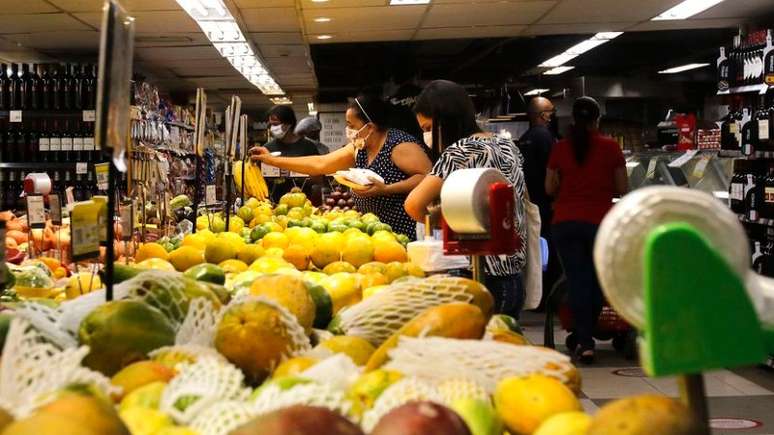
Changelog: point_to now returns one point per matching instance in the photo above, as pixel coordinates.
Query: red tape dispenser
(478, 207)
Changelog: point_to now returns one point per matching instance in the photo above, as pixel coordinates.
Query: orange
(373, 280)
(358, 250)
(524, 403)
(388, 251)
(275, 240)
(298, 256)
(150, 250)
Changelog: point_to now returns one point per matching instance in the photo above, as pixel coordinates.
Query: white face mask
(351, 134)
(428, 136)
(277, 131)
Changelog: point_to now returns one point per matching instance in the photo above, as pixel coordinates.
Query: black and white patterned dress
(498, 153)
(389, 208)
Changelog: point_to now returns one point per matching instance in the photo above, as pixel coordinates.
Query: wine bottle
(723, 68)
(67, 88)
(78, 153)
(768, 60)
(768, 197)
(88, 142)
(752, 195)
(55, 143)
(5, 103)
(3, 193)
(25, 88)
(749, 134)
(13, 190)
(14, 93)
(93, 79)
(44, 143)
(67, 142)
(33, 137)
(35, 88)
(735, 193)
(81, 81)
(763, 133)
(57, 90)
(47, 89)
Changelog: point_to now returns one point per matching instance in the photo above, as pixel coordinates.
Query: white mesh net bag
(199, 385)
(403, 391)
(222, 417)
(32, 370)
(484, 362)
(456, 388)
(274, 396)
(338, 371)
(46, 320)
(198, 327)
(378, 317)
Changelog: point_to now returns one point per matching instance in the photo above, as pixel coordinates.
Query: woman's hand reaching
(259, 153)
(376, 188)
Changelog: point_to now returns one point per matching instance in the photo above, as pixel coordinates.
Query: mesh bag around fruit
(199, 385)
(337, 370)
(378, 317)
(185, 353)
(164, 290)
(404, 391)
(47, 321)
(198, 327)
(273, 397)
(483, 362)
(460, 388)
(222, 417)
(32, 370)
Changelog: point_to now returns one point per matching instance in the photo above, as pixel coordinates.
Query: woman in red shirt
(585, 171)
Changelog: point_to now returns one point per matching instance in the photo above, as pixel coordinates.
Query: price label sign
(89, 115)
(55, 206)
(55, 144)
(127, 221)
(77, 144)
(15, 116)
(102, 170)
(84, 230)
(269, 171)
(210, 195)
(88, 143)
(44, 144)
(67, 144)
(36, 211)
(81, 168)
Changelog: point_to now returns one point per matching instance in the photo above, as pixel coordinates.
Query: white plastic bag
(532, 275)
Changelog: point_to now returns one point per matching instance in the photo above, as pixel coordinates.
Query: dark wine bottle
(33, 136)
(749, 134)
(81, 81)
(44, 143)
(78, 152)
(67, 142)
(5, 103)
(57, 89)
(67, 88)
(36, 91)
(752, 197)
(26, 88)
(768, 197)
(14, 93)
(47, 90)
(55, 140)
(736, 193)
(763, 127)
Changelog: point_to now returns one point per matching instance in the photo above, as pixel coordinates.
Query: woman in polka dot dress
(393, 154)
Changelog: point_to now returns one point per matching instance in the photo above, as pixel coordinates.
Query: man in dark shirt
(535, 146)
(282, 123)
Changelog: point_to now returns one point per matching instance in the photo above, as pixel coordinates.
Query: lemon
(293, 366)
(195, 240)
(150, 250)
(565, 423)
(359, 349)
(327, 249)
(413, 269)
(275, 252)
(343, 288)
(370, 291)
(275, 240)
(219, 250)
(82, 283)
(233, 266)
(358, 251)
(185, 257)
(314, 277)
(339, 266)
(250, 253)
(524, 403)
(383, 236)
(298, 256)
(156, 264)
(144, 421)
(235, 224)
(268, 264)
(233, 238)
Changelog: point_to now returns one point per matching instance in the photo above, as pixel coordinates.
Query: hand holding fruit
(259, 153)
(376, 188)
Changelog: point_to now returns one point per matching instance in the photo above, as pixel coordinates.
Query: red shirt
(586, 191)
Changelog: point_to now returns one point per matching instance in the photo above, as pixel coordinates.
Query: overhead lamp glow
(537, 91)
(580, 48)
(193, 6)
(558, 70)
(311, 108)
(408, 2)
(218, 5)
(687, 67)
(319, 1)
(686, 9)
(322, 20)
(324, 37)
(281, 100)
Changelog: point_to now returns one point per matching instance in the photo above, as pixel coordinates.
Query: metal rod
(694, 397)
(478, 267)
(111, 205)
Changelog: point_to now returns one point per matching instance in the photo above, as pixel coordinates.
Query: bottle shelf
(41, 165)
(765, 222)
(760, 88)
(85, 115)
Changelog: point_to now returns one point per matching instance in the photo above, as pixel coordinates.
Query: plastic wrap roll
(465, 199)
(38, 183)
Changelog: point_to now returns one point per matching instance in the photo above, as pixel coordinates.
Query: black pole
(226, 174)
(111, 205)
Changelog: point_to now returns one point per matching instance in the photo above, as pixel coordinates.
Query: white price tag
(102, 170)
(88, 144)
(77, 144)
(55, 144)
(36, 211)
(269, 171)
(210, 195)
(127, 221)
(651, 167)
(55, 206)
(763, 129)
(67, 144)
(89, 116)
(44, 144)
(81, 168)
(701, 165)
(15, 116)
(680, 161)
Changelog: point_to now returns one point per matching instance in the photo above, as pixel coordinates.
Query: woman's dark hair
(585, 113)
(452, 111)
(370, 108)
(285, 114)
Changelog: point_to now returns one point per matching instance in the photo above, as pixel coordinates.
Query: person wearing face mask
(447, 116)
(393, 154)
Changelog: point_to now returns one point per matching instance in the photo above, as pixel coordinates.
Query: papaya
(323, 305)
(121, 273)
(453, 320)
(206, 272)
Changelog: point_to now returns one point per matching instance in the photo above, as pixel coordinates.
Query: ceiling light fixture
(322, 20)
(319, 1)
(580, 48)
(312, 109)
(687, 67)
(686, 9)
(324, 36)
(408, 2)
(224, 33)
(281, 100)
(537, 91)
(558, 70)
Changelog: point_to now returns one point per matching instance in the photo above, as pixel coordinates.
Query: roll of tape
(465, 199)
(41, 182)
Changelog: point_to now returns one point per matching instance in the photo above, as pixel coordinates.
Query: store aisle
(741, 400)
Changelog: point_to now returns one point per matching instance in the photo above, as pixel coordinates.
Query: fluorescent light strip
(536, 92)
(281, 100)
(408, 2)
(686, 9)
(679, 69)
(580, 48)
(224, 33)
(558, 70)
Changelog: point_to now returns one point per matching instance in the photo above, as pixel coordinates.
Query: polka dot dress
(389, 208)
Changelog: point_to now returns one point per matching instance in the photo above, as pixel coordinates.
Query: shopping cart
(610, 326)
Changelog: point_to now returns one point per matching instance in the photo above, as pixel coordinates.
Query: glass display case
(703, 170)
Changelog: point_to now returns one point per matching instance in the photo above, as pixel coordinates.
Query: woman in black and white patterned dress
(393, 154)
(448, 118)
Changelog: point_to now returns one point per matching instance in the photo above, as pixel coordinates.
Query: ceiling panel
(156, 39)
(383, 35)
(572, 29)
(222, 70)
(470, 32)
(12, 7)
(591, 11)
(234, 82)
(152, 22)
(502, 13)
(365, 19)
(289, 65)
(39, 23)
(265, 3)
(59, 40)
(739, 8)
(684, 24)
(130, 5)
(168, 53)
(270, 19)
(284, 50)
(294, 37)
(186, 63)
(309, 4)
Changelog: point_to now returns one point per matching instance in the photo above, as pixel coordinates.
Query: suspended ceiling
(171, 48)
